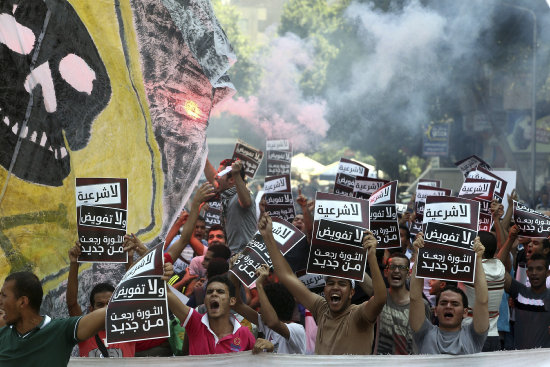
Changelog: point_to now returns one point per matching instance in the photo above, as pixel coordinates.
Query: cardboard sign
(365, 186)
(279, 198)
(101, 216)
(484, 174)
(280, 183)
(422, 192)
(336, 250)
(452, 210)
(279, 156)
(250, 156)
(213, 214)
(138, 309)
(337, 208)
(471, 163)
(446, 263)
(482, 191)
(348, 170)
(450, 235)
(475, 188)
(383, 216)
(291, 243)
(428, 182)
(450, 227)
(530, 222)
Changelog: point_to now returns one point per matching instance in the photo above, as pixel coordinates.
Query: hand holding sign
(301, 200)
(75, 252)
(168, 273)
(265, 226)
(418, 242)
(479, 249)
(132, 243)
(369, 243)
(236, 167)
(262, 273)
(205, 192)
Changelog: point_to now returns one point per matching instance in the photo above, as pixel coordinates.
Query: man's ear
(465, 313)
(351, 293)
(23, 302)
(232, 301)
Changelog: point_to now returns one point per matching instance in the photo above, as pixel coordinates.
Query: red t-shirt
(202, 339)
(88, 348)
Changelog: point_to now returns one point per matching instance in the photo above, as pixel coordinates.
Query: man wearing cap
(343, 328)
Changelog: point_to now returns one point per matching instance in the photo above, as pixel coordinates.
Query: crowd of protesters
(391, 312)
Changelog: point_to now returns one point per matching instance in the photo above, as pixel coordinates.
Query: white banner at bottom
(531, 358)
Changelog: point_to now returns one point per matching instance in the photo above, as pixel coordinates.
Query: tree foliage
(245, 74)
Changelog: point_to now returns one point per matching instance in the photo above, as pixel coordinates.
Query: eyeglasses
(400, 267)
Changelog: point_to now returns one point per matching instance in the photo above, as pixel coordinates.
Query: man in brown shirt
(343, 328)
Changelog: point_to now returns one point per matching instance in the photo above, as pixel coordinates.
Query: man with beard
(217, 331)
(343, 328)
(394, 335)
(451, 306)
(238, 209)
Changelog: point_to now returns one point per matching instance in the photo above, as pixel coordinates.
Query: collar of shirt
(45, 321)
(206, 322)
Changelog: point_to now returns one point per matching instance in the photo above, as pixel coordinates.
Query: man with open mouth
(217, 331)
(451, 336)
(343, 328)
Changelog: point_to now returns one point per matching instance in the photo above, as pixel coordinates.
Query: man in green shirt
(30, 339)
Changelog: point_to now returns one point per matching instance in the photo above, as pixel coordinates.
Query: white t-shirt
(296, 343)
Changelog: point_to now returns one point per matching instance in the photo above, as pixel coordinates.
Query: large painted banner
(104, 88)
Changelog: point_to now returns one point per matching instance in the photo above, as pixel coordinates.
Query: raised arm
(496, 213)
(366, 285)
(91, 324)
(308, 220)
(240, 307)
(510, 210)
(205, 191)
(269, 316)
(242, 192)
(180, 221)
(372, 308)
(481, 304)
(282, 269)
(504, 255)
(416, 308)
(210, 172)
(72, 281)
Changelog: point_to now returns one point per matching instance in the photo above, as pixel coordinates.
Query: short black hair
(216, 227)
(223, 279)
(538, 256)
(229, 161)
(26, 284)
(217, 266)
(200, 218)
(454, 289)
(489, 241)
(401, 256)
(100, 288)
(220, 250)
(282, 301)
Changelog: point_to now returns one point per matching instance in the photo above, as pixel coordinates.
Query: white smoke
(409, 54)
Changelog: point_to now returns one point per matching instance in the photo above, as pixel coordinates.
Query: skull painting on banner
(106, 88)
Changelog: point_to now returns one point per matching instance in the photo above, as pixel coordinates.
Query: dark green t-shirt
(50, 344)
